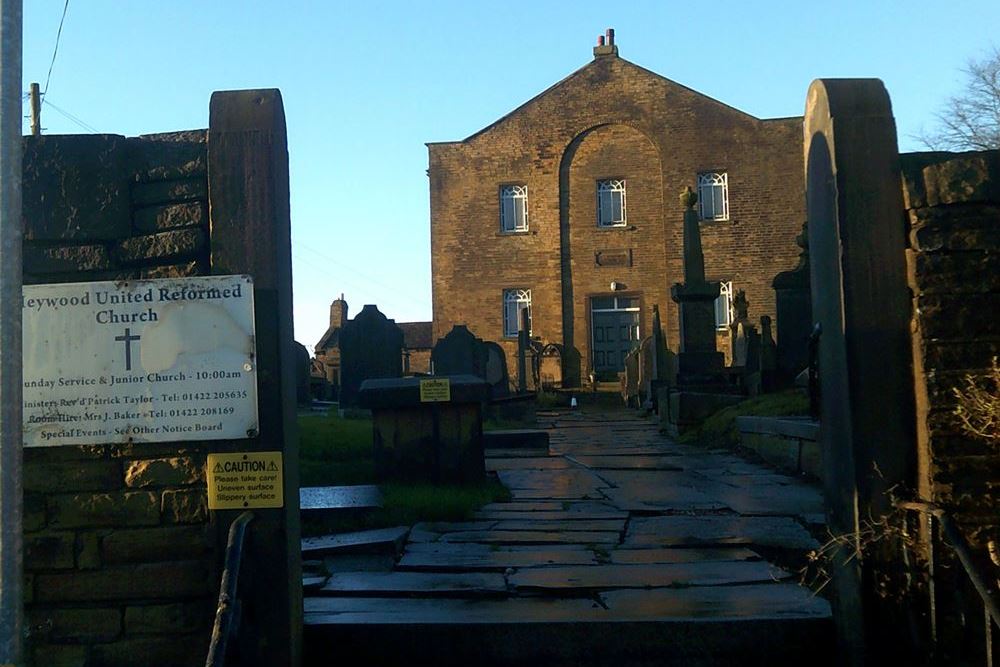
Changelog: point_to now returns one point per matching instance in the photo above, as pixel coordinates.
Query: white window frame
(511, 195)
(514, 300)
(607, 190)
(725, 296)
(711, 184)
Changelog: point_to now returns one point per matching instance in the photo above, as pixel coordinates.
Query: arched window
(611, 202)
(713, 196)
(514, 300)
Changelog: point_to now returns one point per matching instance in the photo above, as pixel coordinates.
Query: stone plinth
(439, 442)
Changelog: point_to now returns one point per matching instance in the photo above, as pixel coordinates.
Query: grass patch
(334, 451)
(550, 400)
(721, 427)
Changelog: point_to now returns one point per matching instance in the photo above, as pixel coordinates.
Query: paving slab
(555, 482)
(527, 453)
(365, 610)
(532, 537)
(769, 499)
(418, 584)
(452, 526)
(359, 562)
(313, 583)
(528, 463)
(525, 506)
(781, 532)
(616, 525)
(560, 515)
(777, 601)
(494, 561)
(381, 540)
(481, 548)
(619, 462)
(647, 498)
(583, 579)
(681, 555)
(332, 498)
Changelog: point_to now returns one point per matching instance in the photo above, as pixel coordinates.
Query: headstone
(460, 352)
(371, 346)
(793, 308)
(768, 355)
(550, 366)
(303, 369)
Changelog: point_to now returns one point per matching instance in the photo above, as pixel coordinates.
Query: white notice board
(139, 361)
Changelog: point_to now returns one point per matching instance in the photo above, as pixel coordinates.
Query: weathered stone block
(65, 259)
(185, 506)
(184, 270)
(965, 316)
(49, 551)
(159, 218)
(967, 178)
(174, 618)
(34, 455)
(175, 471)
(955, 272)
(97, 510)
(177, 243)
(959, 227)
(60, 655)
(34, 513)
(175, 651)
(912, 172)
(174, 155)
(145, 544)
(76, 625)
(144, 581)
(167, 192)
(99, 475)
(88, 550)
(75, 188)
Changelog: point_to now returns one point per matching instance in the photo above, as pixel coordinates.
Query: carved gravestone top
(460, 352)
(371, 346)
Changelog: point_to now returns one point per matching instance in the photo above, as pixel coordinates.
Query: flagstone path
(613, 523)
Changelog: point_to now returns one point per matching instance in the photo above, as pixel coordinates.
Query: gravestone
(860, 300)
(460, 352)
(303, 370)
(550, 366)
(768, 355)
(371, 346)
(793, 308)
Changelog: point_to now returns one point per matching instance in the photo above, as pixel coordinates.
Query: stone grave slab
(313, 583)
(567, 493)
(419, 584)
(360, 562)
(775, 601)
(646, 498)
(679, 555)
(381, 540)
(516, 453)
(572, 481)
(493, 560)
(780, 532)
(481, 548)
(582, 579)
(516, 439)
(770, 500)
(319, 498)
(532, 537)
(452, 526)
(524, 506)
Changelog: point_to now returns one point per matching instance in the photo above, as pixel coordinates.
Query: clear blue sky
(365, 84)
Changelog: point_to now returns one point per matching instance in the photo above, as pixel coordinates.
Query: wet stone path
(612, 522)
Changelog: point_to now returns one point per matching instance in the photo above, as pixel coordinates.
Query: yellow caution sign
(435, 391)
(245, 480)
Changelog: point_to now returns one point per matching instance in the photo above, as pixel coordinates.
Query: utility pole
(36, 111)
(11, 566)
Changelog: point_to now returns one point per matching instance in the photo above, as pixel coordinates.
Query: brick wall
(608, 119)
(119, 550)
(953, 210)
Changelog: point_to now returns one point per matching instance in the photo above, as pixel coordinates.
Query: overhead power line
(56, 49)
(90, 128)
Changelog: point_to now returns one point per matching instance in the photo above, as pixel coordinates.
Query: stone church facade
(569, 206)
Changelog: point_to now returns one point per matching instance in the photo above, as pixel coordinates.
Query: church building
(569, 206)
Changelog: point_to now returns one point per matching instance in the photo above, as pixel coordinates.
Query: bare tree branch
(971, 119)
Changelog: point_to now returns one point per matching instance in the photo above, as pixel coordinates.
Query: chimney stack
(338, 313)
(606, 44)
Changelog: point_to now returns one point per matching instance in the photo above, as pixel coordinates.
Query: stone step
(766, 624)
(380, 540)
(582, 579)
(333, 498)
(415, 584)
(492, 560)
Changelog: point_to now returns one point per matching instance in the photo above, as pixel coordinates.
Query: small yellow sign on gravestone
(435, 391)
(245, 480)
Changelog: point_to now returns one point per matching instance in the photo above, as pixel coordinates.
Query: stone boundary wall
(122, 556)
(119, 551)
(952, 205)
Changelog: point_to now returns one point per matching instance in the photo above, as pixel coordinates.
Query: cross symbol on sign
(127, 339)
